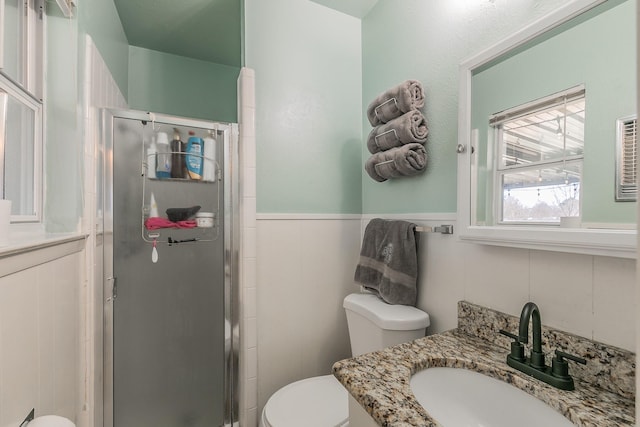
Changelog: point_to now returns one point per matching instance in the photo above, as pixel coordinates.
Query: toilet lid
(312, 402)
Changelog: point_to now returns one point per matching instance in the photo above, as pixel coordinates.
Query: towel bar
(29, 418)
(442, 229)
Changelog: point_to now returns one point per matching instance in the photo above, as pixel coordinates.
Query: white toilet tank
(374, 324)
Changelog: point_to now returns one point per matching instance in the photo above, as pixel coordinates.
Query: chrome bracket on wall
(30, 417)
(442, 229)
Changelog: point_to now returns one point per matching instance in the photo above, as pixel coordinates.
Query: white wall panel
(305, 269)
(562, 287)
(40, 348)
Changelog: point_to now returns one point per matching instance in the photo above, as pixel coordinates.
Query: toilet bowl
(312, 402)
(50, 421)
(322, 401)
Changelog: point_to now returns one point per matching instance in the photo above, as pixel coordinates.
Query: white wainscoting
(40, 344)
(305, 269)
(305, 266)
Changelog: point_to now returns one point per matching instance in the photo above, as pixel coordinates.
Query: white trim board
(446, 216)
(26, 257)
(302, 216)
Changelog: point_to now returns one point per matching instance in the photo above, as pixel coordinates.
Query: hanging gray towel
(409, 127)
(388, 262)
(407, 96)
(408, 160)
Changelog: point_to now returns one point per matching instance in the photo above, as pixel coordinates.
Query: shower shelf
(217, 171)
(174, 236)
(193, 181)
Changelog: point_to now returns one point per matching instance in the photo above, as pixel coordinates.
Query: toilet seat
(312, 402)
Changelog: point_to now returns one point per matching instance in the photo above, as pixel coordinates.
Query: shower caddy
(186, 235)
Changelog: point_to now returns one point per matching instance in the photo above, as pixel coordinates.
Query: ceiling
(357, 8)
(208, 30)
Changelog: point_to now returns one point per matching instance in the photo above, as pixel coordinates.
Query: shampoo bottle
(209, 161)
(152, 153)
(153, 207)
(194, 156)
(178, 166)
(163, 166)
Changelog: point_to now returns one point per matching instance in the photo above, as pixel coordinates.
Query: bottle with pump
(209, 161)
(178, 165)
(163, 156)
(194, 156)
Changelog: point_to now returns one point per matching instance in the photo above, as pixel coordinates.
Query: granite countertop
(379, 381)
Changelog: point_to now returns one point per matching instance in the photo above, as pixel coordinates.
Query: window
(21, 111)
(540, 149)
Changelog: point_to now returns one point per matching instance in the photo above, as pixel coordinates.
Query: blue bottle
(195, 147)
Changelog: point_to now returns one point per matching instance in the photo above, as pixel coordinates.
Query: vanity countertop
(379, 381)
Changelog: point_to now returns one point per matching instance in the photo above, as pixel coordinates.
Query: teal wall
(599, 53)
(307, 62)
(171, 84)
(427, 40)
(64, 144)
(63, 149)
(99, 19)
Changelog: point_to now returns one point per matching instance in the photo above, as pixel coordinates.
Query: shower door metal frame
(231, 235)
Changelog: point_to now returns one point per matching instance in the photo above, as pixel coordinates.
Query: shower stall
(170, 280)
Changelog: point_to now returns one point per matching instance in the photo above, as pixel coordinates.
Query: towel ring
(375, 110)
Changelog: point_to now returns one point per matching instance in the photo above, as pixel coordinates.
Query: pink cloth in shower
(156, 222)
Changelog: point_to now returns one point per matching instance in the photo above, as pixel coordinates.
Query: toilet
(50, 421)
(322, 401)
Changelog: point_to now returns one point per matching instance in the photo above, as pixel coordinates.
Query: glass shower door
(168, 337)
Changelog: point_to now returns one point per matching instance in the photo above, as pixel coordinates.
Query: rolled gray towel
(409, 127)
(409, 95)
(408, 160)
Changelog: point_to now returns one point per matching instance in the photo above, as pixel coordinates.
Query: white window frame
(495, 123)
(28, 90)
(607, 242)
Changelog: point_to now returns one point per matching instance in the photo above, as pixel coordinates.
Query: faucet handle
(510, 335)
(517, 349)
(561, 354)
(560, 367)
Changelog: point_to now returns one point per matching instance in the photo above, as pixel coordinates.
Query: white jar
(205, 219)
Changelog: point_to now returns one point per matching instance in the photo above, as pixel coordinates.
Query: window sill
(601, 242)
(28, 249)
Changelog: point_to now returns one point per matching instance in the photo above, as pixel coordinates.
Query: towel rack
(375, 110)
(442, 229)
(395, 134)
(29, 418)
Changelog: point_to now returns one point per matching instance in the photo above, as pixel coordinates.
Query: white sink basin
(463, 398)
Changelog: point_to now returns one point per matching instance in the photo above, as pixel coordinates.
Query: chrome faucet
(558, 374)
